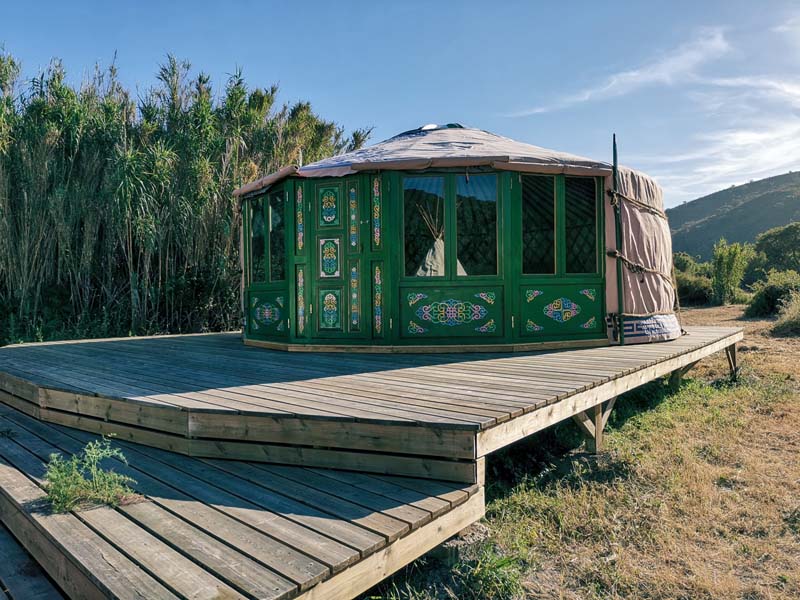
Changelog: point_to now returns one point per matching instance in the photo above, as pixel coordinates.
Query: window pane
(277, 237)
(538, 225)
(581, 224)
(476, 224)
(423, 226)
(257, 235)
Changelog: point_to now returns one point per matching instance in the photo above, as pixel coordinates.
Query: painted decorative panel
(451, 311)
(329, 258)
(377, 299)
(267, 314)
(560, 310)
(328, 206)
(355, 296)
(376, 213)
(330, 309)
(299, 219)
(301, 301)
(352, 211)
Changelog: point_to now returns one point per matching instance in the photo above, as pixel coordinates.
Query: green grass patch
(81, 482)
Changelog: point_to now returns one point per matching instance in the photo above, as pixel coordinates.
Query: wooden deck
(433, 416)
(220, 529)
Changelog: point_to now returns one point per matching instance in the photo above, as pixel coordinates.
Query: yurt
(447, 238)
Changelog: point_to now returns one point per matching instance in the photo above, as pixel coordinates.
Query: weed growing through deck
(80, 481)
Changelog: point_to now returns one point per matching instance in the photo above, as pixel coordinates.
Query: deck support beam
(676, 377)
(592, 423)
(730, 353)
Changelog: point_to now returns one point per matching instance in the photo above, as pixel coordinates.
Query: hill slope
(738, 214)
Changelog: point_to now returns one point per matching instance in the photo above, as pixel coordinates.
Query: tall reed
(116, 212)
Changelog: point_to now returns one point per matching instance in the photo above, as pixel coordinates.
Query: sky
(702, 95)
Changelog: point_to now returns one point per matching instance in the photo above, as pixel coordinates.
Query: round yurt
(447, 238)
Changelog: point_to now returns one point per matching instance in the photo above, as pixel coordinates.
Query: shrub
(80, 481)
(693, 289)
(788, 315)
(729, 264)
(781, 246)
(769, 293)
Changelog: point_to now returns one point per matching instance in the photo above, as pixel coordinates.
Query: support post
(730, 353)
(592, 423)
(676, 377)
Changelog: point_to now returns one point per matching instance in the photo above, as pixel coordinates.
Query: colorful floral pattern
(487, 327)
(488, 297)
(330, 309)
(329, 257)
(415, 297)
(532, 327)
(377, 300)
(299, 218)
(590, 323)
(531, 295)
(329, 209)
(562, 310)
(266, 314)
(416, 328)
(355, 310)
(301, 301)
(376, 212)
(590, 293)
(451, 312)
(353, 205)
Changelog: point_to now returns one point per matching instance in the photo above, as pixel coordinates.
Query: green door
(336, 273)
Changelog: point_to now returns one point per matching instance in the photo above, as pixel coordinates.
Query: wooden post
(592, 423)
(730, 353)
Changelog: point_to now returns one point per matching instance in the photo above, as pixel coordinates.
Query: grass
(697, 496)
(81, 482)
(788, 316)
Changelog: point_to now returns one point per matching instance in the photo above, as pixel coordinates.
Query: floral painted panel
(448, 312)
(329, 258)
(377, 299)
(268, 314)
(376, 213)
(355, 297)
(352, 211)
(558, 311)
(328, 206)
(330, 309)
(301, 301)
(299, 219)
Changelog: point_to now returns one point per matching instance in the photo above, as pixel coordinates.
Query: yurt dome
(451, 238)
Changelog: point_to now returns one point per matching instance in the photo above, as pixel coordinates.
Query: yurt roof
(451, 145)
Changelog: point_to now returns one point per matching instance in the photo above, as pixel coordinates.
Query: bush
(686, 263)
(768, 294)
(693, 289)
(80, 481)
(781, 246)
(788, 316)
(729, 264)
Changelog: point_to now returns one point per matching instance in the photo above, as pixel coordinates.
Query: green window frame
(447, 226)
(266, 238)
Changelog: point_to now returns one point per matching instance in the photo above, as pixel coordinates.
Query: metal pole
(618, 231)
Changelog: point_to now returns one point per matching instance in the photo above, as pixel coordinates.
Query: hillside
(738, 214)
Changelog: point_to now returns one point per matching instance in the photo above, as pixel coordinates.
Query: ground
(696, 496)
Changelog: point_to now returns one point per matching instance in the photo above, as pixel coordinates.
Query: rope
(616, 196)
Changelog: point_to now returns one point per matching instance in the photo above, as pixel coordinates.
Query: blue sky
(701, 94)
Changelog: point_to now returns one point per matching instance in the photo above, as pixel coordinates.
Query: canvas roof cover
(450, 145)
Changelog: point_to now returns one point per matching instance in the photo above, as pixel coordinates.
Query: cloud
(674, 67)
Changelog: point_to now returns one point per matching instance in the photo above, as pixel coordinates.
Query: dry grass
(698, 495)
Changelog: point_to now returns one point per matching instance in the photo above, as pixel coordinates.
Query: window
(538, 225)
(424, 226)
(580, 218)
(277, 237)
(476, 225)
(257, 235)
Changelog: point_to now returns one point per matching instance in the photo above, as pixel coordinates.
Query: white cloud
(674, 67)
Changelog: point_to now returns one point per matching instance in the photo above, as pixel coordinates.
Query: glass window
(423, 226)
(257, 237)
(277, 237)
(538, 225)
(580, 220)
(476, 224)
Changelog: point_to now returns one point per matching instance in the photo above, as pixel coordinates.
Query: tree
(781, 246)
(728, 267)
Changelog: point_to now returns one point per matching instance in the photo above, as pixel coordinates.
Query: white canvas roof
(441, 146)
